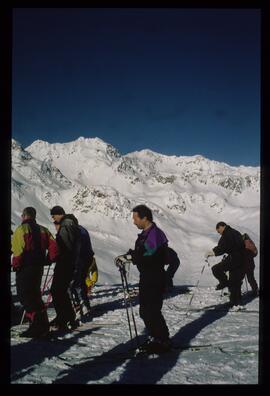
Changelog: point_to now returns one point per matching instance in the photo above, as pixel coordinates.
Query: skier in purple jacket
(149, 256)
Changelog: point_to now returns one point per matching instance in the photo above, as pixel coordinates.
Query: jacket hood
(71, 217)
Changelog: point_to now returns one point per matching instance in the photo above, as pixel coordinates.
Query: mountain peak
(19, 152)
(15, 145)
(38, 144)
(90, 140)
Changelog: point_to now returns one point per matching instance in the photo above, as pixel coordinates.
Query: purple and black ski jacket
(150, 253)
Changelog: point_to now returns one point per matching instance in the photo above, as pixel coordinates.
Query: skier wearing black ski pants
(249, 268)
(151, 301)
(28, 284)
(85, 257)
(150, 256)
(67, 239)
(231, 243)
(30, 242)
(234, 282)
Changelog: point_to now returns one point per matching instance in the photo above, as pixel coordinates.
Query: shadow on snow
(99, 367)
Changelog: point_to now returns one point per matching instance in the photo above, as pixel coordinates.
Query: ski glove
(209, 253)
(122, 260)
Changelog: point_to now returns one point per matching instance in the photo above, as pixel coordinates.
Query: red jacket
(29, 245)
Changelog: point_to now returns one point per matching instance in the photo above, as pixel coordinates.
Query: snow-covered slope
(188, 195)
(90, 178)
(223, 346)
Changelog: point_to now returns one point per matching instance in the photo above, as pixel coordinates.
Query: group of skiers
(151, 253)
(33, 247)
(72, 252)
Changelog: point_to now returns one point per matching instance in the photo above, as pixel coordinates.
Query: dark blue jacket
(86, 250)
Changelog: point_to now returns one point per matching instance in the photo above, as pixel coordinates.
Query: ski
(211, 308)
(83, 327)
(223, 309)
(137, 354)
(177, 348)
(56, 334)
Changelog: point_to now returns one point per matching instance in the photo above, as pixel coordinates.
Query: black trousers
(250, 276)
(79, 288)
(63, 273)
(236, 275)
(151, 301)
(28, 284)
(171, 270)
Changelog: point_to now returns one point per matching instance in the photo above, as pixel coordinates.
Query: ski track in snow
(98, 354)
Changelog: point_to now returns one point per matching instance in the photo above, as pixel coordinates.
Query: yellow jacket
(24, 248)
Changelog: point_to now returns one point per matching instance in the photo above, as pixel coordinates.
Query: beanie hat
(57, 210)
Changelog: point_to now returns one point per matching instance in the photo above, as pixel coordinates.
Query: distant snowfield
(188, 196)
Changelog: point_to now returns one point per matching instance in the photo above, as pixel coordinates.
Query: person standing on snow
(250, 252)
(30, 242)
(67, 239)
(173, 263)
(78, 285)
(149, 256)
(231, 243)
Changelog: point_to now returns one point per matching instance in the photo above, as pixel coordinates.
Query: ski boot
(155, 346)
(39, 326)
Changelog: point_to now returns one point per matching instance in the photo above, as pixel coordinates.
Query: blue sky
(176, 81)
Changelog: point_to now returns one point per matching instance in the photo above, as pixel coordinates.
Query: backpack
(250, 245)
(85, 248)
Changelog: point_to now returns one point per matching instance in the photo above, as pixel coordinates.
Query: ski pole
(47, 284)
(129, 326)
(74, 302)
(196, 286)
(47, 303)
(23, 315)
(45, 281)
(49, 298)
(246, 282)
(131, 307)
(42, 292)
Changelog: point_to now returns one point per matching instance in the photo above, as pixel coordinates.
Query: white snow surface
(225, 344)
(188, 196)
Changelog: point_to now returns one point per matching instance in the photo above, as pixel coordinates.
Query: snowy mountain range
(188, 196)
(90, 178)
